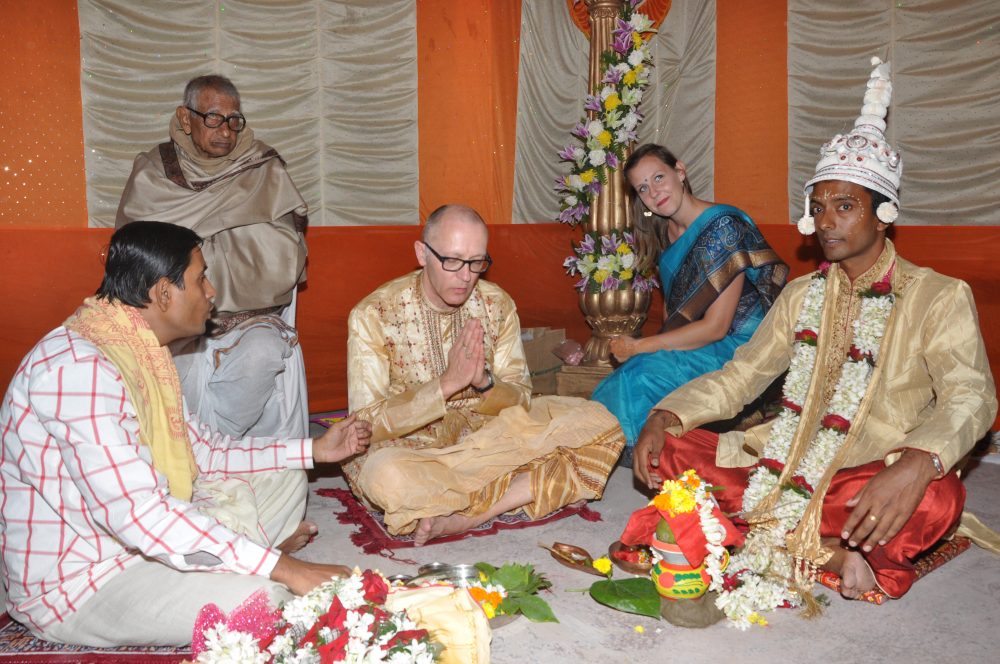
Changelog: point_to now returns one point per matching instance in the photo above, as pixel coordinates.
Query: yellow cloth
(451, 617)
(151, 382)
(933, 390)
(429, 457)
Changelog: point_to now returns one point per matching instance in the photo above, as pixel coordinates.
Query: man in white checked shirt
(122, 516)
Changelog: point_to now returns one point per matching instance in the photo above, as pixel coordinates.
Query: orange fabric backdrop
(751, 108)
(41, 126)
(467, 104)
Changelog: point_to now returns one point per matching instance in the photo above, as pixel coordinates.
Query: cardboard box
(542, 364)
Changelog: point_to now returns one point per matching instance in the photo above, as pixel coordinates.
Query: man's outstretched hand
(888, 500)
(646, 458)
(301, 577)
(344, 439)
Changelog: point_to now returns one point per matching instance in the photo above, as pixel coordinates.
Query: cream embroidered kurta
(936, 392)
(430, 457)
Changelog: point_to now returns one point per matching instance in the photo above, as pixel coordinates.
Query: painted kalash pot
(687, 535)
(674, 576)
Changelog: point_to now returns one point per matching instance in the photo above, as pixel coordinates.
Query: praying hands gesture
(466, 361)
(344, 439)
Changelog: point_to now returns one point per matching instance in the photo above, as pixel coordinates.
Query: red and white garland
(762, 569)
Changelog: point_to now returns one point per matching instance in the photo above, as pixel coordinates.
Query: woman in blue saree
(719, 277)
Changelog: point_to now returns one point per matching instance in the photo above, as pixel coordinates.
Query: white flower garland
(762, 568)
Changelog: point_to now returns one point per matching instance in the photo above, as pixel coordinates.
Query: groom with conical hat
(887, 388)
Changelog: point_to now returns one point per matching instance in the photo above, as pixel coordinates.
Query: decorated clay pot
(675, 577)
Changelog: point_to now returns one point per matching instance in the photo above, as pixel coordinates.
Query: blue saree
(720, 244)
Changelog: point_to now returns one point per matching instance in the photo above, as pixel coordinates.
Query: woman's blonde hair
(650, 228)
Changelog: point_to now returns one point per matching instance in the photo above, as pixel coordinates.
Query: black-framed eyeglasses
(236, 121)
(452, 264)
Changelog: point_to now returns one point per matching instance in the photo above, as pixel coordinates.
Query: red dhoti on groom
(892, 564)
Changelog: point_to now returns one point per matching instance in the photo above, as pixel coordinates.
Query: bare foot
(856, 577)
(297, 540)
(438, 526)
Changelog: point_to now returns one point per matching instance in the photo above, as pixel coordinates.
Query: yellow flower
(639, 68)
(636, 40)
(489, 610)
(604, 138)
(690, 478)
(600, 276)
(626, 274)
(629, 77)
(640, 629)
(757, 619)
(624, 249)
(603, 565)
(589, 175)
(674, 498)
(612, 101)
(483, 577)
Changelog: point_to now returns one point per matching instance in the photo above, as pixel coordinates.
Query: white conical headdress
(863, 156)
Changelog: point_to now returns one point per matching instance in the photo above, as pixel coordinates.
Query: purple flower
(629, 238)
(609, 244)
(592, 104)
(587, 245)
(594, 188)
(566, 154)
(611, 160)
(570, 264)
(635, 3)
(582, 284)
(580, 130)
(622, 42)
(613, 76)
(611, 283)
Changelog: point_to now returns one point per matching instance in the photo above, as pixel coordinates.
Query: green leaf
(532, 607)
(486, 568)
(635, 595)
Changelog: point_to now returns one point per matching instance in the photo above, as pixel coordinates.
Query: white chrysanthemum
(597, 157)
(628, 260)
(630, 121)
(607, 91)
(631, 95)
(640, 22)
(636, 57)
(225, 646)
(594, 127)
(609, 262)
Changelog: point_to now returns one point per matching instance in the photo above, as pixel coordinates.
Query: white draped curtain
(945, 113)
(679, 103)
(331, 84)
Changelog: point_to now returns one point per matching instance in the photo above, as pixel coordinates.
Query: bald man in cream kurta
(431, 457)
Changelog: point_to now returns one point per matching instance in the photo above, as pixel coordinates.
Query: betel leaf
(636, 595)
(533, 607)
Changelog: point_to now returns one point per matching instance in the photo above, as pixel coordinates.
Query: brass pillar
(614, 312)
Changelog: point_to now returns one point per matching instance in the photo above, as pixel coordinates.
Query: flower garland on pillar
(603, 141)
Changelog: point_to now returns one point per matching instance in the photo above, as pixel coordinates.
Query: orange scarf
(151, 382)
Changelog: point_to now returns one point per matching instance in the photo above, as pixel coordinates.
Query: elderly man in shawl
(435, 363)
(888, 387)
(116, 526)
(246, 377)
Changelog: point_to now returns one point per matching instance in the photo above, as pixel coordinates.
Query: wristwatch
(489, 384)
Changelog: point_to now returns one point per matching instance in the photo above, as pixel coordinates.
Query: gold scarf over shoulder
(151, 382)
